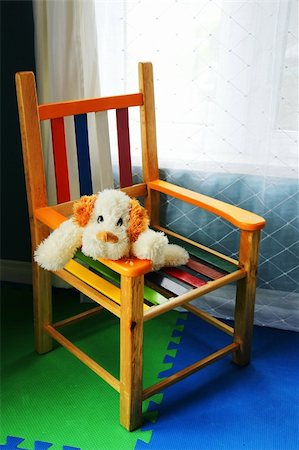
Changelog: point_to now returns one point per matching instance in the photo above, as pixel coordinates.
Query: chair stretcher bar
(180, 375)
(89, 362)
(210, 319)
(78, 317)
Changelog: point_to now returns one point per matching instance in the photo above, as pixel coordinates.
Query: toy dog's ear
(139, 220)
(82, 209)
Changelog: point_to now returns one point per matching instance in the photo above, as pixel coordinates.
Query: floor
(54, 401)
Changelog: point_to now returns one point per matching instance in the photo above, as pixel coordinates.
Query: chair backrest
(32, 114)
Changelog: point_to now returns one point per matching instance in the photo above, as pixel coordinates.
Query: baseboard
(21, 272)
(16, 271)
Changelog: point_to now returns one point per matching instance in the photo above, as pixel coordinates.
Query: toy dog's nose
(106, 236)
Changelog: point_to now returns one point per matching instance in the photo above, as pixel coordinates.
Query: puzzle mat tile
(54, 401)
(12, 443)
(228, 407)
(152, 412)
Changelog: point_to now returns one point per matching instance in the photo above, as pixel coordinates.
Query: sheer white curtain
(252, 67)
(226, 77)
(67, 68)
(219, 69)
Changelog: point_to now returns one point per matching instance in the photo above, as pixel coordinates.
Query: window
(225, 79)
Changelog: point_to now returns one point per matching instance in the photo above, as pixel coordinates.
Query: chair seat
(204, 268)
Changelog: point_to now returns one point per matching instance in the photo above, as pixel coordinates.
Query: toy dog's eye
(100, 219)
(119, 222)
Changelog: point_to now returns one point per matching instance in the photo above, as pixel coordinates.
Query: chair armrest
(241, 218)
(130, 267)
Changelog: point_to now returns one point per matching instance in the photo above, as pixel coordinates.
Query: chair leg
(131, 350)
(42, 298)
(245, 296)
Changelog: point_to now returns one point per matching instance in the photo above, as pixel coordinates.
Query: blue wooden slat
(83, 154)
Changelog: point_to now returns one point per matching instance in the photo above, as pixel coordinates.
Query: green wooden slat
(149, 294)
(98, 267)
(205, 256)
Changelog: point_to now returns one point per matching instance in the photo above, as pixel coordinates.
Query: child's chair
(135, 300)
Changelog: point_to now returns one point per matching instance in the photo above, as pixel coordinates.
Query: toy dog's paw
(175, 255)
(59, 247)
(151, 245)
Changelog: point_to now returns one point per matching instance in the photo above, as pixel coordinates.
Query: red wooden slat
(124, 152)
(60, 160)
(204, 270)
(184, 276)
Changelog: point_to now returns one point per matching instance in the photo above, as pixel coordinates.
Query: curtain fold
(67, 64)
(67, 67)
(253, 42)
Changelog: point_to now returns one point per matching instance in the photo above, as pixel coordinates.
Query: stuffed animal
(108, 225)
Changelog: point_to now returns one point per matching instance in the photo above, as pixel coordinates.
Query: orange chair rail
(241, 218)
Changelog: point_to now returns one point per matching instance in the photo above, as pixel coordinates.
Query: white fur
(154, 245)
(112, 205)
(55, 251)
(175, 255)
(151, 245)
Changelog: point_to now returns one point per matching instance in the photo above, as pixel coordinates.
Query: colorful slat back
(202, 266)
(83, 153)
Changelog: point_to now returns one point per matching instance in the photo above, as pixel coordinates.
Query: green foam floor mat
(54, 398)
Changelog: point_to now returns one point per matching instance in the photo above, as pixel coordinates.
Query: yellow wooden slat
(89, 291)
(95, 281)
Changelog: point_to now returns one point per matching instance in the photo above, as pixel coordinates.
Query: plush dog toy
(108, 225)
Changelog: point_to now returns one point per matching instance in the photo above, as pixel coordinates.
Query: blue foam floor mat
(227, 407)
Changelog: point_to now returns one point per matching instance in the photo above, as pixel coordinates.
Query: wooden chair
(135, 300)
